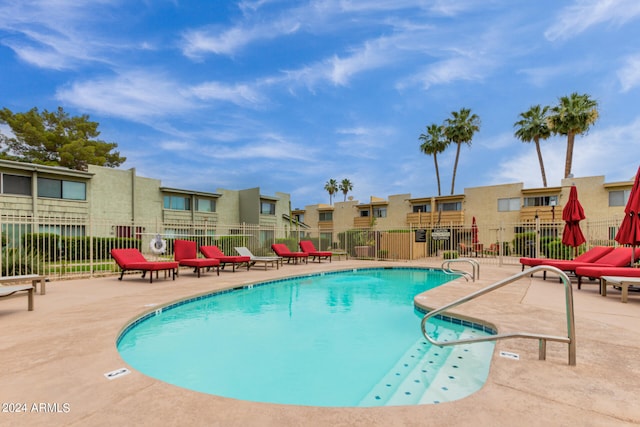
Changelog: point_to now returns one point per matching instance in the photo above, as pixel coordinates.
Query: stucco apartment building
(508, 207)
(120, 203)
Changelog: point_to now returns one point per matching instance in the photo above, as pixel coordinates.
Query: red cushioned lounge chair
(618, 257)
(589, 256)
(596, 271)
(283, 251)
(133, 260)
(308, 248)
(186, 253)
(215, 253)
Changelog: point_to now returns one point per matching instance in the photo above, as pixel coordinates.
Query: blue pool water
(348, 338)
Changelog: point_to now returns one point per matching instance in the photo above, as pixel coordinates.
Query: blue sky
(284, 95)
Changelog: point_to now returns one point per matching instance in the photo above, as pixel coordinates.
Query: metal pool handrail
(474, 265)
(542, 352)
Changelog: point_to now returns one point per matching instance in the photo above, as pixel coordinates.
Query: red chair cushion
(184, 249)
(597, 272)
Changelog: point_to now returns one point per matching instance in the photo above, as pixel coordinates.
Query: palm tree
(573, 116)
(345, 187)
(332, 188)
(459, 128)
(433, 142)
(533, 127)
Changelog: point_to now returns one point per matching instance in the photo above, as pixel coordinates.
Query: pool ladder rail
(570, 339)
(475, 268)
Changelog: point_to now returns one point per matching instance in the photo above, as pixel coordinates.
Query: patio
(55, 358)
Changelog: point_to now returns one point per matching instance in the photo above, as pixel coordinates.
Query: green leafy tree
(345, 187)
(459, 128)
(433, 143)
(332, 188)
(55, 139)
(573, 116)
(533, 126)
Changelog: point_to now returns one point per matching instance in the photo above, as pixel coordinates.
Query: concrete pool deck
(54, 358)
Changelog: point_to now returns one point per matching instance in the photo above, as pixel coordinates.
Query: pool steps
(444, 371)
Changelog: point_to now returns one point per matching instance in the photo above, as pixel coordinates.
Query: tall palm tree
(459, 128)
(433, 142)
(573, 116)
(332, 188)
(345, 187)
(533, 127)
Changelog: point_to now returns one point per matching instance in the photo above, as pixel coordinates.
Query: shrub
(521, 240)
(17, 261)
(450, 255)
(557, 250)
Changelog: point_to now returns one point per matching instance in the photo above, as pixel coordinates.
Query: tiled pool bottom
(449, 373)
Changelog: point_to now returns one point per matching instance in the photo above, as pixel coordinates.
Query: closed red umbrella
(629, 231)
(474, 231)
(572, 214)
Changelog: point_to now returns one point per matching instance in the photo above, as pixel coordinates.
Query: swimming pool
(346, 338)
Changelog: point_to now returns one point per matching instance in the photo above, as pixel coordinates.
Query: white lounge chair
(266, 260)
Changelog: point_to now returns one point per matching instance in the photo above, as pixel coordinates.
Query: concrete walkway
(54, 359)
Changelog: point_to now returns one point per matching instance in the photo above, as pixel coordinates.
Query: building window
(73, 190)
(326, 216)
(178, 203)
(16, 184)
(541, 201)
(205, 205)
(267, 208)
(450, 206)
(619, 198)
(506, 205)
(299, 217)
(421, 208)
(380, 212)
(364, 212)
(59, 189)
(175, 233)
(63, 230)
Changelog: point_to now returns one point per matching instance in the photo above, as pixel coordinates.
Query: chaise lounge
(133, 260)
(283, 251)
(618, 257)
(589, 256)
(186, 253)
(5, 291)
(266, 260)
(307, 247)
(215, 253)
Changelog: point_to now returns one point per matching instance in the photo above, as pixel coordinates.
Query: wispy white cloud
(262, 22)
(541, 76)
(629, 74)
(583, 14)
(264, 146)
(252, 5)
(135, 95)
(451, 70)
(57, 34)
(371, 55)
(236, 93)
(335, 70)
(198, 42)
(363, 141)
